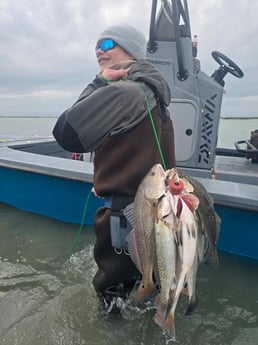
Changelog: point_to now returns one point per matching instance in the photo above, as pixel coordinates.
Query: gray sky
(47, 49)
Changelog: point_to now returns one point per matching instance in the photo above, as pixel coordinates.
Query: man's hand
(95, 193)
(114, 74)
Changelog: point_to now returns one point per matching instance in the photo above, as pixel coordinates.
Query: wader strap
(119, 226)
(120, 202)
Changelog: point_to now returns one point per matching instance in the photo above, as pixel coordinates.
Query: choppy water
(47, 299)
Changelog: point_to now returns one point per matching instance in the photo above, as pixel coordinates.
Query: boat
(37, 175)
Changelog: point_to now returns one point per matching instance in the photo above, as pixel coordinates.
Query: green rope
(89, 194)
(81, 226)
(153, 127)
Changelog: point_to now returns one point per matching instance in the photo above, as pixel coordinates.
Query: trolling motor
(226, 66)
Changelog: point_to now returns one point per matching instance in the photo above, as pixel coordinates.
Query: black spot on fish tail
(145, 293)
(192, 306)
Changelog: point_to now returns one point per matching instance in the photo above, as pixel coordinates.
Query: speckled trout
(208, 220)
(186, 234)
(166, 257)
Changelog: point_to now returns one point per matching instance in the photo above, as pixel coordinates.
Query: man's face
(112, 56)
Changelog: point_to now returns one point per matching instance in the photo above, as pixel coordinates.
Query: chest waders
(119, 225)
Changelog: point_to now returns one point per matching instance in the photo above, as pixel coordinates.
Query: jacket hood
(144, 71)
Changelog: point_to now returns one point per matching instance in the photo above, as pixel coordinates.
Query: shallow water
(45, 298)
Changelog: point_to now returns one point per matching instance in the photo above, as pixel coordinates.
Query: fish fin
(187, 185)
(212, 258)
(218, 224)
(160, 321)
(173, 199)
(170, 326)
(128, 213)
(192, 306)
(161, 314)
(209, 255)
(165, 206)
(157, 301)
(145, 293)
(192, 200)
(131, 241)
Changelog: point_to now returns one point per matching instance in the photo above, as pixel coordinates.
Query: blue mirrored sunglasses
(105, 45)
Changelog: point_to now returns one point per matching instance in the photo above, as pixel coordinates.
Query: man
(112, 118)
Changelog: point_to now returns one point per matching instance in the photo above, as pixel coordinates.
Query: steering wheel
(227, 64)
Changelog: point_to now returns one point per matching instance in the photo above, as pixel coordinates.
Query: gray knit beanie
(128, 38)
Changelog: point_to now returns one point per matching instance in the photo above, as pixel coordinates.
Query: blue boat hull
(65, 200)
(239, 231)
(58, 198)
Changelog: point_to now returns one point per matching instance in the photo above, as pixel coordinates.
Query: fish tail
(192, 306)
(160, 316)
(212, 259)
(170, 325)
(185, 291)
(157, 301)
(145, 292)
(160, 320)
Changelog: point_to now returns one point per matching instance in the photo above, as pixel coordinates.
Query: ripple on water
(47, 299)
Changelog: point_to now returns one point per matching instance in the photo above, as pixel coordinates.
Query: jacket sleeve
(99, 112)
(63, 132)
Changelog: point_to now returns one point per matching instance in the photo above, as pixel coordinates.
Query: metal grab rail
(250, 148)
(178, 11)
(152, 44)
(182, 73)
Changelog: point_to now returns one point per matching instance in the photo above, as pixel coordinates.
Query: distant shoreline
(239, 118)
(29, 116)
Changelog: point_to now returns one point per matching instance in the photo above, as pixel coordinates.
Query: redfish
(141, 242)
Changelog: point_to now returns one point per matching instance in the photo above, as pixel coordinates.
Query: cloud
(47, 48)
